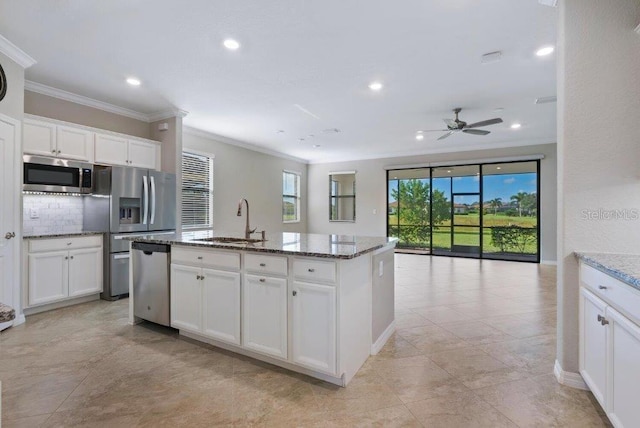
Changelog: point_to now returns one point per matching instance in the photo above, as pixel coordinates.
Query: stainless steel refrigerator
(127, 202)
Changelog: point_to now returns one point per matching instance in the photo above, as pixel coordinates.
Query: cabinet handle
(311, 270)
(71, 257)
(263, 264)
(600, 318)
(199, 257)
(66, 258)
(53, 151)
(295, 293)
(198, 277)
(601, 287)
(59, 152)
(262, 280)
(604, 321)
(68, 243)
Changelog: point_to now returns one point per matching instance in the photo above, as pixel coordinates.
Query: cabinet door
(593, 345)
(74, 143)
(111, 150)
(48, 277)
(221, 305)
(624, 376)
(39, 138)
(85, 271)
(264, 315)
(186, 298)
(142, 154)
(314, 326)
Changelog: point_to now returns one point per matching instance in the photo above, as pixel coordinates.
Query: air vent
(331, 131)
(491, 57)
(546, 100)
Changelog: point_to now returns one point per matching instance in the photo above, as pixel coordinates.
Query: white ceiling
(320, 55)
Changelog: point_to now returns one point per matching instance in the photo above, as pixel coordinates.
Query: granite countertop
(61, 235)
(625, 267)
(300, 244)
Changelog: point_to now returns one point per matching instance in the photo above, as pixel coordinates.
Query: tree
(415, 211)
(530, 203)
(495, 204)
(519, 198)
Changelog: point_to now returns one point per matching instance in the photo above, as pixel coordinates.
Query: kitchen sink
(232, 240)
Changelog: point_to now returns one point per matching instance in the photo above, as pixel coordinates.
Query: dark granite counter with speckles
(625, 267)
(7, 313)
(61, 235)
(300, 244)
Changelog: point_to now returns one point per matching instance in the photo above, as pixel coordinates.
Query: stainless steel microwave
(42, 174)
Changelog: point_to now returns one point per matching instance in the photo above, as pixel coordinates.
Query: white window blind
(197, 191)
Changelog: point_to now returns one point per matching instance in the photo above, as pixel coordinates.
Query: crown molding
(15, 53)
(101, 105)
(166, 114)
(211, 136)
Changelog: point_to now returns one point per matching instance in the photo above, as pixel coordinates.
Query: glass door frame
(481, 165)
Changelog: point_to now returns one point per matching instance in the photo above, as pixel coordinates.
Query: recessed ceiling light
(231, 44)
(375, 86)
(310, 136)
(449, 171)
(498, 109)
(498, 167)
(395, 178)
(544, 51)
(315, 146)
(280, 131)
(515, 125)
(491, 57)
(301, 139)
(133, 81)
(419, 137)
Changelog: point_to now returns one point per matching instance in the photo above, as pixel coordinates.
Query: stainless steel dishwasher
(151, 298)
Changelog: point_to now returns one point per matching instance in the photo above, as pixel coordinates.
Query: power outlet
(381, 268)
(33, 213)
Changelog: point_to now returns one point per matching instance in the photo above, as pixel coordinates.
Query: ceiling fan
(457, 125)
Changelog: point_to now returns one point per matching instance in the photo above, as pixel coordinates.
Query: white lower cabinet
(48, 277)
(63, 268)
(221, 305)
(314, 326)
(610, 344)
(186, 298)
(206, 301)
(624, 376)
(264, 315)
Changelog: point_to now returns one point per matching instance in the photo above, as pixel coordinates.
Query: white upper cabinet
(39, 138)
(142, 154)
(74, 143)
(114, 150)
(49, 139)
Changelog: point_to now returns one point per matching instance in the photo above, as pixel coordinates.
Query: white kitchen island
(314, 304)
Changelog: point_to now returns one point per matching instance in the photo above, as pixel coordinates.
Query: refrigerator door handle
(153, 200)
(145, 191)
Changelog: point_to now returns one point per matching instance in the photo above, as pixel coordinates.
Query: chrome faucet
(247, 229)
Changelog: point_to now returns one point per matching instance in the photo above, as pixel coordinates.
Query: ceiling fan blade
(445, 135)
(451, 124)
(434, 130)
(476, 131)
(484, 123)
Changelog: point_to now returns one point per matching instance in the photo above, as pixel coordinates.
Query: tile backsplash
(49, 214)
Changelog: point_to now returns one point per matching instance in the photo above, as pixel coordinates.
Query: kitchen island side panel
(382, 293)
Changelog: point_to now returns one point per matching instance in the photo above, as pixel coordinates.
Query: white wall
(242, 173)
(371, 191)
(598, 143)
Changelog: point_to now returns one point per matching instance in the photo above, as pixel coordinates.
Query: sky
(494, 186)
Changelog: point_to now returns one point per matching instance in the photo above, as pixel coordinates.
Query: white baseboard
(380, 342)
(549, 262)
(574, 380)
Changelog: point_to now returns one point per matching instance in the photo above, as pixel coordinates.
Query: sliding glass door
(481, 210)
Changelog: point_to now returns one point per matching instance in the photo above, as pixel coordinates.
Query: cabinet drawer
(206, 258)
(265, 264)
(618, 294)
(314, 270)
(36, 245)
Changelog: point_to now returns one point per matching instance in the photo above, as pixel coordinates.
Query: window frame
(297, 197)
(211, 159)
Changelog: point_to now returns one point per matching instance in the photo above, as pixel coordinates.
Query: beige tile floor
(475, 347)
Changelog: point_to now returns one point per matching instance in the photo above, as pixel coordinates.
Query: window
(197, 191)
(290, 197)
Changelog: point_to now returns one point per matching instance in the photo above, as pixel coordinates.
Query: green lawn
(441, 235)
